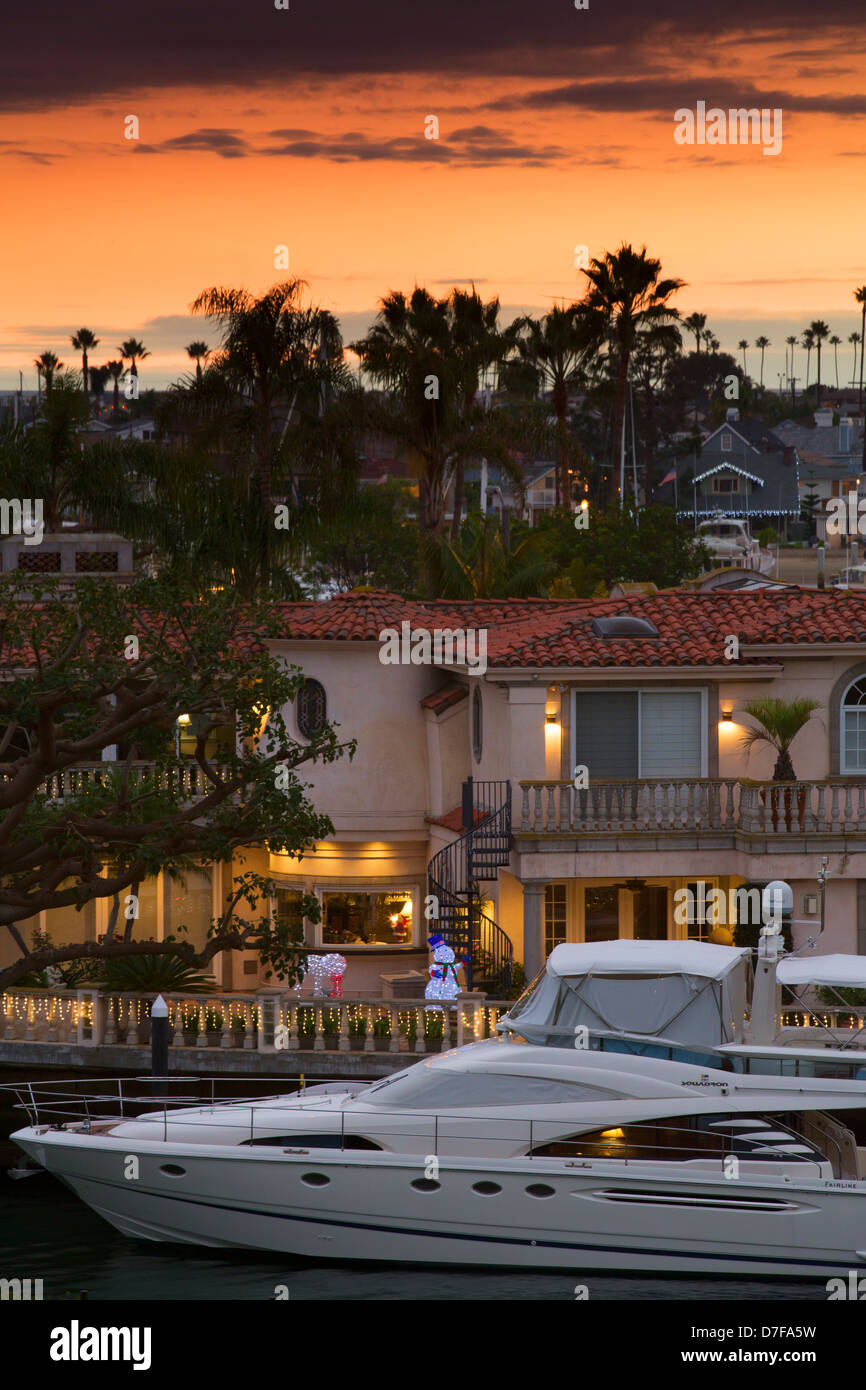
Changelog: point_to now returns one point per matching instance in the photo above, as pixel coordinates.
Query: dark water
(47, 1233)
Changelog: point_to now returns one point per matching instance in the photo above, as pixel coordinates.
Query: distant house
(743, 469)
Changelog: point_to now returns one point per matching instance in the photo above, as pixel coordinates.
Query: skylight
(624, 625)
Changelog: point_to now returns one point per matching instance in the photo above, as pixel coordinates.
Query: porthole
(487, 1189)
(426, 1185)
(540, 1189)
(173, 1170)
(315, 1179)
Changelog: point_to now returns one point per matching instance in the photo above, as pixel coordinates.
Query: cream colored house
(618, 725)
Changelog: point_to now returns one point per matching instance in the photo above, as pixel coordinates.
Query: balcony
(717, 808)
(187, 779)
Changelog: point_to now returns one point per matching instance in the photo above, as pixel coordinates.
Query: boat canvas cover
(684, 991)
(837, 971)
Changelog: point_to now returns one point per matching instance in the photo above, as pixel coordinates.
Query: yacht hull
(341, 1206)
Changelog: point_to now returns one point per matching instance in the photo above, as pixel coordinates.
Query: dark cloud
(57, 54)
(665, 95)
(226, 143)
(473, 146)
(9, 148)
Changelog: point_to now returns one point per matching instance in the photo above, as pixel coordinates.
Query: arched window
(477, 723)
(853, 730)
(312, 712)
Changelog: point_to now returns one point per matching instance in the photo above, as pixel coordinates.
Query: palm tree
(743, 345)
(199, 352)
(48, 364)
(860, 296)
(482, 563)
(135, 351)
(808, 342)
(98, 378)
(85, 341)
(819, 331)
(116, 370)
(275, 355)
(779, 722)
(792, 343)
(836, 340)
(696, 323)
(554, 346)
(854, 338)
(762, 343)
(625, 297)
(479, 345)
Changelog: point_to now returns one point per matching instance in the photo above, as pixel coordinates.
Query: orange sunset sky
(306, 127)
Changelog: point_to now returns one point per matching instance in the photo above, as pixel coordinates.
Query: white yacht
(730, 542)
(498, 1153)
(701, 1003)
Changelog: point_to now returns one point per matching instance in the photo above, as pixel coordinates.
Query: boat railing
(64, 1105)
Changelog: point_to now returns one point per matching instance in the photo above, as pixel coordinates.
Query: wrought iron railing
(454, 875)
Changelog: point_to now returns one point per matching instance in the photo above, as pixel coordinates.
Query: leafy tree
(627, 545)
(370, 541)
(45, 460)
(75, 686)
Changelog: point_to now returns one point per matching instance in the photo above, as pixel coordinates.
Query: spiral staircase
(454, 876)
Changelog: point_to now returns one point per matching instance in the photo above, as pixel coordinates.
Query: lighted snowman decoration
(317, 966)
(443, 972)
(335, 967)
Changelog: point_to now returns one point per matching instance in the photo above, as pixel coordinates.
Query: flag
(668, 478)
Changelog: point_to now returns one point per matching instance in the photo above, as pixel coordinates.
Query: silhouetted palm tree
(115, 370)
(792, 343)
(199, 352)
(808, 342)
(819, 330)
(860, 296)
(135, 351)
(626, 296)
(762, 343)
(48, 364)
(743, 346)
(854, 338)
(479, 345)
(836, 340)
(554, 346)
(696, 323)
(85, 341)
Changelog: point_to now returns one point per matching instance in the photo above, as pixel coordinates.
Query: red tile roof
(556, 633)
(444, 698)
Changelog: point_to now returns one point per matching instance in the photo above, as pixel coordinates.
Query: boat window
(424, 1090)
(311, 1141)
(679, 1138)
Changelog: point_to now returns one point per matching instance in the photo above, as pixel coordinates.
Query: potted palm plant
(778, 724)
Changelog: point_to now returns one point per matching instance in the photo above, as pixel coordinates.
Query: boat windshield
(422, 1089)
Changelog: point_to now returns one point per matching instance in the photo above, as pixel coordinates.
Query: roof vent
(624, 625)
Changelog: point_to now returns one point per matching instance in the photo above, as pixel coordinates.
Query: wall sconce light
(551, 718)
(727, 714)
(183, 719)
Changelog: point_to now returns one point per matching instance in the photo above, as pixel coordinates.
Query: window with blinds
(639, 733)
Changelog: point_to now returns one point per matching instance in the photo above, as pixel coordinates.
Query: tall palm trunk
(862, 346)
(619, 421)
(560, 406)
